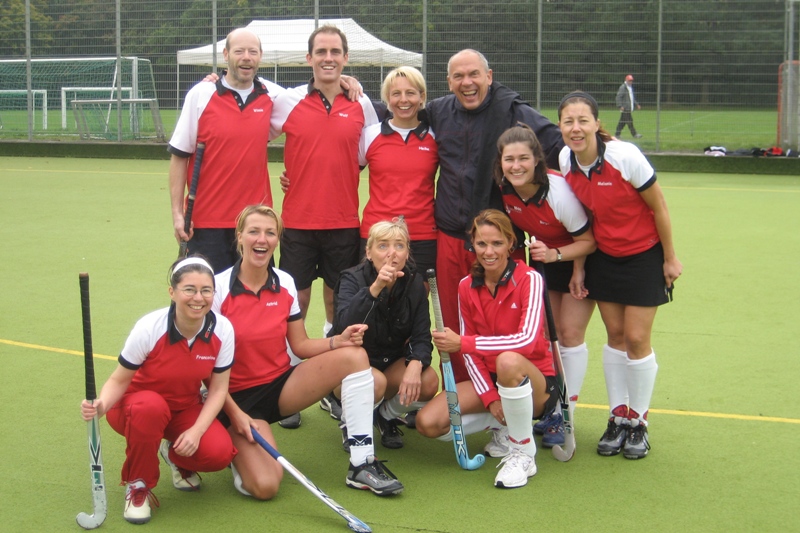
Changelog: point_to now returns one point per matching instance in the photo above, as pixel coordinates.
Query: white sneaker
(182, 479)
(517, 468)
(237, 481)
(137, 502)
(499, 445)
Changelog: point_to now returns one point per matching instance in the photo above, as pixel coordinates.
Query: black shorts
(218, 245)
(310, 254)
(558, 275)
(260, 402)
(423, 254)
(633, 280)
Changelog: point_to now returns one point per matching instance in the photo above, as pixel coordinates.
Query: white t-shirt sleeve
(566, 206)
(143, 337)
(224, 330)
(184, 138)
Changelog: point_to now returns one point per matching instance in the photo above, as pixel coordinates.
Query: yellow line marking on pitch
(708, 415)
(582, 405)
(50, 349)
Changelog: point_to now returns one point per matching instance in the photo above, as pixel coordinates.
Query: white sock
(641, 381)
(575, 360)
(473, 423)
(326, 328)
(615, 368)
(518, 410)
(357, 397)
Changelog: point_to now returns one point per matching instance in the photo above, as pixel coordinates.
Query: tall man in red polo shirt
(232, 117)
(320, 207)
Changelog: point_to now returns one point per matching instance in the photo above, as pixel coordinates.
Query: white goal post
(23, 92)
(82, 93)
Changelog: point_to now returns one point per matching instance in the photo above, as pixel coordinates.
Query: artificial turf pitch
(724, 421)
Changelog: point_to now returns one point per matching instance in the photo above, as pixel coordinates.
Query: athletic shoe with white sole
(291, 422)
(612, 440)
(333, 405)
(637, 444)
(374, 476)
(391, 435)
(517, 467)
(137, 502)
(182, 479)
(237, 481)
(499, 445)
(554, 433)
(545, 422)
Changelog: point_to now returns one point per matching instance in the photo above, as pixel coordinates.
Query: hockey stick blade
(95, 520)
(352, 522)
(459, 441)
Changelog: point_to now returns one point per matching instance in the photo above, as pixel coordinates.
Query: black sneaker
(374, 476)
(291, 422)
(612, 440)
(345, 437)
(333, 405)
(409, 419)
(391, 435)
(637, 444)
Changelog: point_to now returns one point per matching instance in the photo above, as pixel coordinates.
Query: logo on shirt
(543, 223)
(343, 115)
(424, 148)
(604, 184)
(271, 304)
(205, 357)
(258, 110)
(514, 305)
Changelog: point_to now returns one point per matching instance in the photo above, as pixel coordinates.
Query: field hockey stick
(459, 442)
(562, 454)
(187, 218)
(352, 522)
(96, 519)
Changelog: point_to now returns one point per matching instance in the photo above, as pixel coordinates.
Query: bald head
(469, 78)
(242, 53)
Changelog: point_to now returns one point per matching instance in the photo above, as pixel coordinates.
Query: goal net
(68, 79)
(789, 105)
(14, 107)
(126, 119)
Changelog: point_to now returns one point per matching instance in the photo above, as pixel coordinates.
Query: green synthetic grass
(679, 130)
(724, 422)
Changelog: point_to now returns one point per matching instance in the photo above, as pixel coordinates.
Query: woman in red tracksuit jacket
(505, 352)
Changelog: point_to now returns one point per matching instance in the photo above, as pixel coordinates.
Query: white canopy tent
(285, 44)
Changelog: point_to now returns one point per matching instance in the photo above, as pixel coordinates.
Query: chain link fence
(706, 72)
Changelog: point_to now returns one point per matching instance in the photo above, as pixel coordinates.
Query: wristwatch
(558, 255)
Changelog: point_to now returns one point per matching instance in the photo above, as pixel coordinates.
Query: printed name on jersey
(205, 357)
(343, 115)
(424, 148)
(258, 110)
(271, 304)
(604, 184)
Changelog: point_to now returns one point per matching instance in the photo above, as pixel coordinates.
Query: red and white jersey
(260, 317)
(234, 172)
(321, 156)
(623, 224)
(171, 365)
(402, 173)
(553, 215)
(510, 321)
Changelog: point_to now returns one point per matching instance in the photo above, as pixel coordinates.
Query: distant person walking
(626, 101)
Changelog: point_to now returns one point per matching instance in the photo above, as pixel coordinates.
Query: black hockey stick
(459, 441)
(187, 218)
(562, 454)
(352, 522)
(96, 519)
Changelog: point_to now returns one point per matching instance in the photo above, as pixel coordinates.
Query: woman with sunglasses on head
(633, 270)
(388, 294)
(502, 340)
(154, 393)
(540, 202)
(261, 303)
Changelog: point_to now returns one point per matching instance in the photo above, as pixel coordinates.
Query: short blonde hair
(260, 209)
(413, 76)
(386, 230)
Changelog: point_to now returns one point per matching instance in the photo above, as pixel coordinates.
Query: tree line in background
(714, 52)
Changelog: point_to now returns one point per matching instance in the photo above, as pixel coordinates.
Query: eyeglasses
(206, 292)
